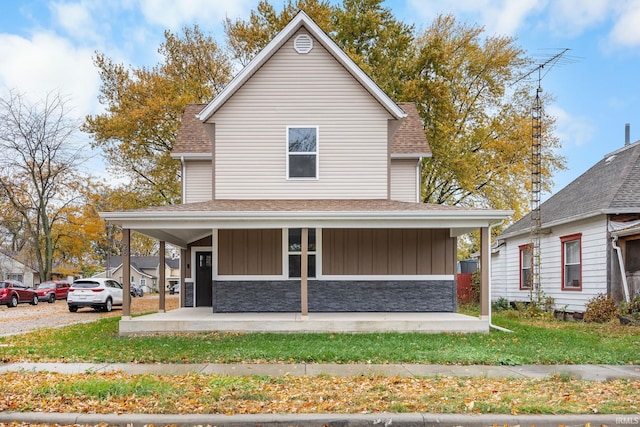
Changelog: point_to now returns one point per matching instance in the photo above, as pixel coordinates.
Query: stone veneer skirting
(335, 296)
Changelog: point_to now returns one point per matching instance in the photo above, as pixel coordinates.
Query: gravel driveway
(25, 317)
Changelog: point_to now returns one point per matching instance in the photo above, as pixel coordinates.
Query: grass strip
(533, 342)
(211, 394)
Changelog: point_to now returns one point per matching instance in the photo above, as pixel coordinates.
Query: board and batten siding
(594, 265)
(198, 179)
(404, 180)
(352, 252)
(294, 89)
(250, 252)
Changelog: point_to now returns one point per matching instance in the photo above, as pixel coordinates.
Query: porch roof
(185, 223)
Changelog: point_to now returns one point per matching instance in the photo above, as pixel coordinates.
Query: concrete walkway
(585, 372)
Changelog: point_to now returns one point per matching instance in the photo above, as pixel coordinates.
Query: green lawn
(533, 342)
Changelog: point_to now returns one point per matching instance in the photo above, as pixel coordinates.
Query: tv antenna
(542, 68)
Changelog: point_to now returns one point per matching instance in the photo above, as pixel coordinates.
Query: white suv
(97, 293)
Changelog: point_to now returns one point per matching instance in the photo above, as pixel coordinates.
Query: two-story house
(301, 189)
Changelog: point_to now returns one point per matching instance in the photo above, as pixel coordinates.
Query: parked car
(52, 290)
(97, 293)
(136, 290)
(13, 292)
(174, 289)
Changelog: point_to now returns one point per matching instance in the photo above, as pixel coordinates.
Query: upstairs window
(302, 152)
(572, 262)
(526, 262)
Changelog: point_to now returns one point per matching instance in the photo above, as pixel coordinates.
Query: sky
(48, 46)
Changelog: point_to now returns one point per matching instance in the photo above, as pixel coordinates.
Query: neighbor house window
(302, 152)
(15, 276)
(295, 253)
(143, 282)
(526, 262)
(572, 262)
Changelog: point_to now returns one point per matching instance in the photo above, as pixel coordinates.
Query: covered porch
(378, 266)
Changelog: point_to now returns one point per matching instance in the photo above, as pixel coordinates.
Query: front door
(204, 273)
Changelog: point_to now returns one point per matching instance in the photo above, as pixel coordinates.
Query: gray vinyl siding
(198, 179)
(404, 180)
(301, 90)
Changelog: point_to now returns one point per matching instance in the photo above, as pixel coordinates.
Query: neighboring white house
(145, 271)
(12, 269)
(301, 184)
(590, 234)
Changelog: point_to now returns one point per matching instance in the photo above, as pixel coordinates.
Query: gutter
(623, 274)
(491, 325)
(182, 177)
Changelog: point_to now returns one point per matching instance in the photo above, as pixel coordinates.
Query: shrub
(501, 304)
(600, 309)
(475, 286)
(632, 306)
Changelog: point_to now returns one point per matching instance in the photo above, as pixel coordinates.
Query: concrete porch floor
(201, 319)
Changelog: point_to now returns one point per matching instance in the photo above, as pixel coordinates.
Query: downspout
(182, 166)
(623, 274)
(491, 325)
(419, 179)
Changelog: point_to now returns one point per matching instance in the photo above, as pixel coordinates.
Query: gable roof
(302, 20)
(143, 262)
(611, 186)
(191, 137)
(408, 141)
(13, 258)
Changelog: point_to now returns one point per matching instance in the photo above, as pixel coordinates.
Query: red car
(52, 290)
(13, 292)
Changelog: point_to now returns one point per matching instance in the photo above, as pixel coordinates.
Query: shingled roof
(409, 139)
(611, 186)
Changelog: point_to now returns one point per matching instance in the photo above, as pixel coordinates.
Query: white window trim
(286, 253)
(317, 153)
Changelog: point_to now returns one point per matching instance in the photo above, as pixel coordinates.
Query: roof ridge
(621, 149)
(626, 171)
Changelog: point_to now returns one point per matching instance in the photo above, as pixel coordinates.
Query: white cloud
(47, 63)
(572, 130)
(626, 30)
(174, 14)
(571, 18)
(76, 19)
(503, 17)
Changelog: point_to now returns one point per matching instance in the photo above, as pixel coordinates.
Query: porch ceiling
(182, 224)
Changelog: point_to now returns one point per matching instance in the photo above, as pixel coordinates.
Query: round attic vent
(303, 43)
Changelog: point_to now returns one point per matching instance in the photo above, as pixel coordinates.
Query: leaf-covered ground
(214, 394)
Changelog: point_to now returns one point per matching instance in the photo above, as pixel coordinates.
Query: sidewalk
(585, 372)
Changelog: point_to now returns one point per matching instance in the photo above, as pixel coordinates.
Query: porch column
(183, 275)
(485, 253)
(126, 273)
(304, 262)
(161, 278)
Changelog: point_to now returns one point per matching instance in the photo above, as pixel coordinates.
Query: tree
(144, 107)
(366, 31)
(38, 182)
(247, 38)
(477, 117)
(375, 40)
